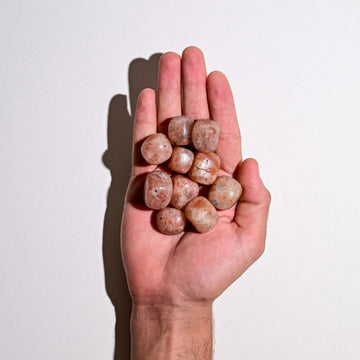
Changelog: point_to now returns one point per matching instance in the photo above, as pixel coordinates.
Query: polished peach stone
(202, 215)
(184, 190)
(205, 135)
(156, 149)
(179, 130)
(225, 192)
(205, 168)
(157, 190)
(181, 160)
(170, 221)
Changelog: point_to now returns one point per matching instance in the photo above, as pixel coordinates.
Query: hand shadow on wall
(117, 158)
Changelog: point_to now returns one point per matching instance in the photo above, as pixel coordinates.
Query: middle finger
(195, 102)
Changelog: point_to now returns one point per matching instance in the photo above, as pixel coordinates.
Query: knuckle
(260, 248)
(268, 196)
(256, 250)
(229, 136)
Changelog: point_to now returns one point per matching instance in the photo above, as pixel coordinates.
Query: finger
(169, 89)
(194, 83)
(144, 125)
(222, 110)
(252, 209)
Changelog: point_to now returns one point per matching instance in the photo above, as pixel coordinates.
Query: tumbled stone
(170, 221)
(184, 190)
(157, 190)
(156, 149)
(202, 215)
(205, 135)
(181, 160)
(179, 130)
(225, 192)
(205, 168)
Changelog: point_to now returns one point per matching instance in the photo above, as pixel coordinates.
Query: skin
(173, 280)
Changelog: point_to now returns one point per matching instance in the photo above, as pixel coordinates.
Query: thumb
(252, 209)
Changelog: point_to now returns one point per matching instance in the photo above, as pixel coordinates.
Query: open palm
(191, 267)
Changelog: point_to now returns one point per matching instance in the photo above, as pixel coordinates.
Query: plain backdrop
(69, 72)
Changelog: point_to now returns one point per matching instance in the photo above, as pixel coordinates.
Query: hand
(188, 271)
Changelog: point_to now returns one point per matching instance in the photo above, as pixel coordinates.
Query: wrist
(162, 331)
(155, 311)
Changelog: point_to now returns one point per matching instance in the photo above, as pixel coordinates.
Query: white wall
(294, 68)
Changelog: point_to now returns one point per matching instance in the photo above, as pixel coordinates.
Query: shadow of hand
(117, 158)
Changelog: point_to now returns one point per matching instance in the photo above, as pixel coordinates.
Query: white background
(294, 69)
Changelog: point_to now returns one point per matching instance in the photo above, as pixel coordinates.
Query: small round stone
(157, 190)
(179, 130)
(205, 168)
(205, 135)
(202, 215)
(225, 192)
(184, 190)
(156, 149)
(181, 160)
(170, 221)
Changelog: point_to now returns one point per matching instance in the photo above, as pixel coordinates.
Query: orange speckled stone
(202, 215)
(205, 135)
(179, 130)
(156, 149)
(205, 168)
(157, 190)
(170, 221)
(184, 190)
(181, 160)
(225, 192)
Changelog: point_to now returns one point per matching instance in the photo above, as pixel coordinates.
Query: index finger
(222, 110)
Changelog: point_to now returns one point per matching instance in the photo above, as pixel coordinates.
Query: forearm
(162, 332)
